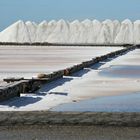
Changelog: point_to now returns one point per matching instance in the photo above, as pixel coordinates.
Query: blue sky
(38, 10)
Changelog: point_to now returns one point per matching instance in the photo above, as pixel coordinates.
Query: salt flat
(115, 88)
(89, 83)
(28, 61)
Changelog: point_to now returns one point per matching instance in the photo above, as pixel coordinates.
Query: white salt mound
(62, 31)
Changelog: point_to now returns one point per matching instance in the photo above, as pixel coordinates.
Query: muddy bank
(69, 118)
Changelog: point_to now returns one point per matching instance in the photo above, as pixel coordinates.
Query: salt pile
(87, 31)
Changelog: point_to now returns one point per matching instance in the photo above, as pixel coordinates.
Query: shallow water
(123, 103)
(121, 71)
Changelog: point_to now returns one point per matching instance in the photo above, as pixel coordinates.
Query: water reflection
(123, 103)
(121, 71)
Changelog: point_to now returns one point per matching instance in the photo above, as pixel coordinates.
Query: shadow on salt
(21, 102)
(121, 71)
(123, 103)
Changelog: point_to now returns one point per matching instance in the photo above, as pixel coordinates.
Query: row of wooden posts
(21, 85)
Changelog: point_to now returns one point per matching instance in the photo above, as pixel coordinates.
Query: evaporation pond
(124, 71)
(122, 103)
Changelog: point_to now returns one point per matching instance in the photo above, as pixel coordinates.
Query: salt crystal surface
(62, 31)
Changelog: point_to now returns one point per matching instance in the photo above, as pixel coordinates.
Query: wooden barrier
(31, 85)
(12, 90)
(75, 68)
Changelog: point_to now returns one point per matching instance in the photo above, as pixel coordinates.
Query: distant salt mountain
(87, 31)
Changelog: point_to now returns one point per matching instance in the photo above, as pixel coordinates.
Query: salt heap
(125, 34)
(62, 31)
(17, 32)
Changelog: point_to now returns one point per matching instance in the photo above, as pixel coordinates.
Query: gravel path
(69, 133)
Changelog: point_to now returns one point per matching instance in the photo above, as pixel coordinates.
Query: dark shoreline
(63, 44)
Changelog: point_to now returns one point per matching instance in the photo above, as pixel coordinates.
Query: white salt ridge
(62, 31)
(15, 33)
(125, 34)
(31, 27)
